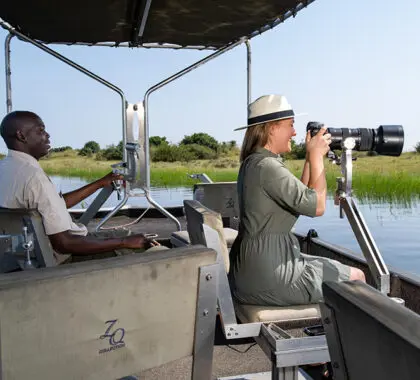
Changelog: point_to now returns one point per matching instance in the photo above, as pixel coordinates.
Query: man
(24, 184)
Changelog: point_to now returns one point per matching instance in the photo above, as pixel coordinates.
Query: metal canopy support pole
(248, 70)
(81, 69)
(347, 204)
(7, 66)
(145, 142)
(77, 67)
(164, 83)
(205, 318)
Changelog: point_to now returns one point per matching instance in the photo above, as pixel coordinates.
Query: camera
(386, 140)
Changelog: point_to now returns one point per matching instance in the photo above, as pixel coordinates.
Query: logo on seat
(114, 335)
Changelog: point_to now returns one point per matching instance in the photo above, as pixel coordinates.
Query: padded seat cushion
(230, 235)
(182, 236)
(254, 313)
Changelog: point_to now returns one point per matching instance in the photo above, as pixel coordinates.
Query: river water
(395, 228)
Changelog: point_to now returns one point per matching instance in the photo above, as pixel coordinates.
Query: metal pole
(161, 209)
(7, 66)
(360, 229)
(164, 83)
(77, 67)
(248, 70)
(113, 212)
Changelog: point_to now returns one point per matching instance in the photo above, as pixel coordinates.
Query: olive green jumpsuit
(267, 267)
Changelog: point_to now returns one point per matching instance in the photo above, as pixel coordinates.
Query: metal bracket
(205, 323)
(287, 353)
(203, 177)
(337, 359)
(94, 207)
(360, 229)
(231, 328)
(18, 244)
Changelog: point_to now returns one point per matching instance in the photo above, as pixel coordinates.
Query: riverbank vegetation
(378, 177)
(374, 177)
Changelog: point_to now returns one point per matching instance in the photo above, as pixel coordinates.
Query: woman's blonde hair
(255, 137)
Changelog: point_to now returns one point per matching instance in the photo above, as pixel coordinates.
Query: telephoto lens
(386, 140)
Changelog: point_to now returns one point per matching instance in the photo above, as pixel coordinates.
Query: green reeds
(389, 179)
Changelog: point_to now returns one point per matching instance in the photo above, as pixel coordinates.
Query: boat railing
(354, 314)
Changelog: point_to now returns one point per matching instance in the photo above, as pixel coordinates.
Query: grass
(391, 179)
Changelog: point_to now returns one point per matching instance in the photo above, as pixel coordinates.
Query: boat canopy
(205, 24)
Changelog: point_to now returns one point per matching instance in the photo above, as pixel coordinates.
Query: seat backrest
(11, 223)
(369, 335)
(106, 319)
(197, 215)
(221, 197)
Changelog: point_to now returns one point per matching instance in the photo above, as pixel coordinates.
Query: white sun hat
(268, 108)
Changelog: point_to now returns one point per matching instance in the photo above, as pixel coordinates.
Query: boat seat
(11, 223)
(197, 215)
(306, 314)
(109, 318)
(369, 335)
(181, 238)
(299, 315)
(220, 197)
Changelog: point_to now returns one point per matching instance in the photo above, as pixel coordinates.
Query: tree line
(198, 146)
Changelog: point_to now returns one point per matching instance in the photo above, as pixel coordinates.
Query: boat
(169, 314)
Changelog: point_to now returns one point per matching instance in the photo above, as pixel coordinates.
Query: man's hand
(139, 241)
(65, 242)
(109, 178)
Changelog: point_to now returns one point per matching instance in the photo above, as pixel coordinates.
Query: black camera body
(386, 140)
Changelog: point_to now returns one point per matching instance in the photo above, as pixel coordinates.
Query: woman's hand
(319, 144)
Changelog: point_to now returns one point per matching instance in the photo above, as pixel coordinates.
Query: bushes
(202, 139)
(298, 152)
(111, 153)
(2, 156)
(157, 141)
(166, 153)
(90, 148)
(61, 149)
(198, 146)
(417, 147)
(186, 153)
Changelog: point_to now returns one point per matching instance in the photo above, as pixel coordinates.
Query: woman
(267, 267)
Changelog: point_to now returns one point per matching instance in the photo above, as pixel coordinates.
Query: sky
(352, 64)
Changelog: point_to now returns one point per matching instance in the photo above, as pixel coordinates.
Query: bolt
(135, 107)
(231, 328)
(205, 312)
(209, 277)
(327, 321)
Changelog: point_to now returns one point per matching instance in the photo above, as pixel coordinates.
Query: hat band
(271, 116)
